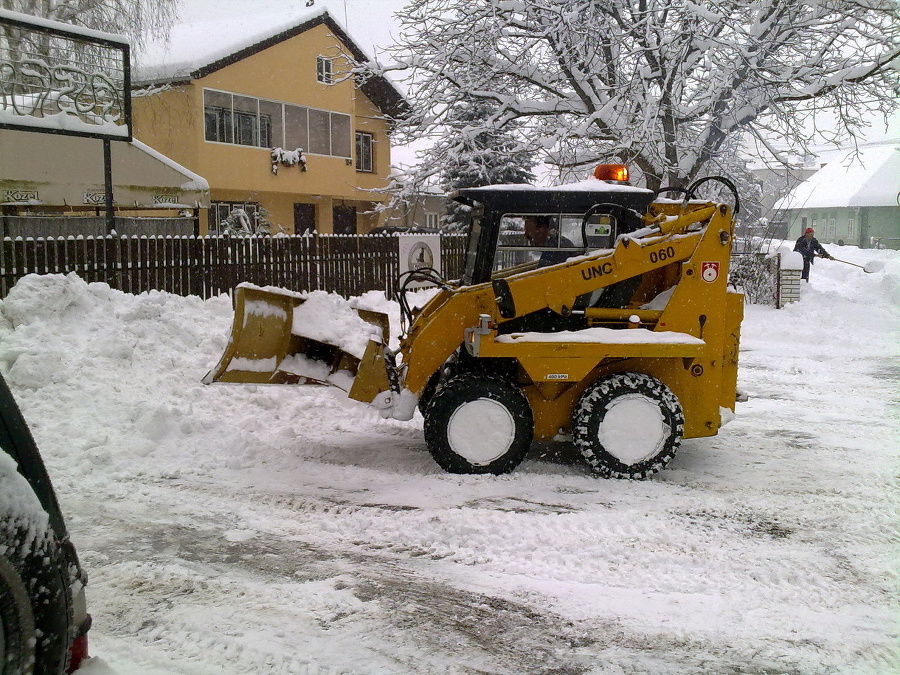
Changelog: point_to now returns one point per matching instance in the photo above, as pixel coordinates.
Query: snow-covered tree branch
(138, 19)
(472, 156)
(661, 84)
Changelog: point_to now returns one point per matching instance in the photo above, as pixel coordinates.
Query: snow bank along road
(240, 530)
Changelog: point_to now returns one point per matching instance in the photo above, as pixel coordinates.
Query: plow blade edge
(281, 337)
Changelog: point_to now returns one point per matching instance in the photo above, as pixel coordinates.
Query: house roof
(197, 49)
(867, 177)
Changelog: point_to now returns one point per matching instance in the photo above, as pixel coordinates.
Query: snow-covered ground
(287, 530)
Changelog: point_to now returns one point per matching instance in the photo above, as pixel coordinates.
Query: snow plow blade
(282, 337)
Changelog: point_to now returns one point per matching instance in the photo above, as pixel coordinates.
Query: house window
(245, 129)
(432, 220)
(218, 124)
(851, 229)
(296, 127)
(246, 120)
(832, 229)
(324, 70)
(220, 212)
(340, 135)
(364, 152)
(320, 132)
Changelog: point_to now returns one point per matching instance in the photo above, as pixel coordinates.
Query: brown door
(304, 218)
(344, 219)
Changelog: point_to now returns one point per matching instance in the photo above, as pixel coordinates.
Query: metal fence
(209, 266)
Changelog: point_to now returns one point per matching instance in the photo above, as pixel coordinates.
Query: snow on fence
(209, 266)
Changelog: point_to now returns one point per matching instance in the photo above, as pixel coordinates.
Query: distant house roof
(195, 50)
(869, 178)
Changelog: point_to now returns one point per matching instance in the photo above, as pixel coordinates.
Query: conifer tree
(470, 155)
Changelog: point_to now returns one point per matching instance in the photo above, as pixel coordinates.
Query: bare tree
(138, 19)
(666, 85)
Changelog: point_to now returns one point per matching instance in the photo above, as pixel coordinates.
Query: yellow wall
(168, 122)
(369, 119)
(172, 123)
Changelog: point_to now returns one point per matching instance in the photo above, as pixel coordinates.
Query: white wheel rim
(481, 431)
(633, 429)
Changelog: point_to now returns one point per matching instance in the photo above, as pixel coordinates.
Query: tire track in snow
(166, 608)
(624, 552)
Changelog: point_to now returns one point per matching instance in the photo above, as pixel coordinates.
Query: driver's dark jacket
(554, 257)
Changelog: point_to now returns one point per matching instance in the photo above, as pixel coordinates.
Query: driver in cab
(538, 234)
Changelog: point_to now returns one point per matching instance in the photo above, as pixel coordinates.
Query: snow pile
(136, 363)
(36, 298)
(329, 318)
(845, 307)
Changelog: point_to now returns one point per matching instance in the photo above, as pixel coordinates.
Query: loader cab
(497, 245)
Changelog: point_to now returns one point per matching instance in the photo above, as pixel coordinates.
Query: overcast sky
(370, 22)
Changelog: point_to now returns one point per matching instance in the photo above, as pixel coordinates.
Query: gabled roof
(870, 177)
(195, 50)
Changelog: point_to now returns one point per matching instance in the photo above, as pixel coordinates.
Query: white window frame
(324, 70)
(282, 129)
(365, 161)
(432, 219)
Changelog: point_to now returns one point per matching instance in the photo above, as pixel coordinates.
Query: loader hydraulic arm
(670, 239)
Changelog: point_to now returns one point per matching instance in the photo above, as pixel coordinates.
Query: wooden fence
(94, 226)
(209, 266)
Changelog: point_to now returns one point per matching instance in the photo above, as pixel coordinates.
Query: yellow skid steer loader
(617, 330)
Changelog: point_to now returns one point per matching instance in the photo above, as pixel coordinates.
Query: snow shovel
(869, 268)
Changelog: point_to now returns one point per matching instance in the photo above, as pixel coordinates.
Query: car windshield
(529, 240)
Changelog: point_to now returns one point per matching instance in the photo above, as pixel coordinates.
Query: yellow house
(273, 119)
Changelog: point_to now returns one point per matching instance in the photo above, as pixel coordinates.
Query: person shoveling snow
(809, 247)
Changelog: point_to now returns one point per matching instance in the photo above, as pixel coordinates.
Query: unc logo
(595, 271)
